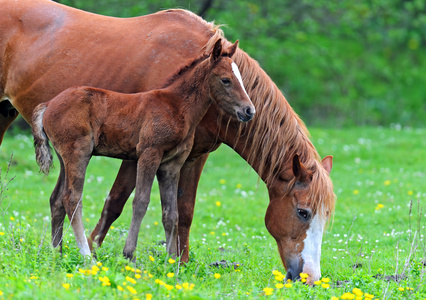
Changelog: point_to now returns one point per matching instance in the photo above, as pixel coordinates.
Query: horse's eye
(226, 81)
(304, 214)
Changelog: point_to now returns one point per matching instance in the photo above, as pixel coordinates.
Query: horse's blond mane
(276, 133)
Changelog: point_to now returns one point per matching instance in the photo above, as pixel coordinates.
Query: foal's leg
(189, 177)
(123, 186)
(146, 168)
(75, 163)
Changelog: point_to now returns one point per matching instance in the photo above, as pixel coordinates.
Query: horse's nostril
(249, 112)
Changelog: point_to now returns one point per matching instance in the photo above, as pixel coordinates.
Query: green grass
(372, 166)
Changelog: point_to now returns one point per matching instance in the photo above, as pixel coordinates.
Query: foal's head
(226, 86)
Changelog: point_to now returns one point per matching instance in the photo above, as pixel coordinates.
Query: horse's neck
(191, 94)
(268, 142)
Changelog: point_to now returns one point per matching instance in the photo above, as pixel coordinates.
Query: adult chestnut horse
(46, 47)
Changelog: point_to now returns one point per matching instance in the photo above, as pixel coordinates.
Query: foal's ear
(300, 172)
(232, 49)
(217, 49)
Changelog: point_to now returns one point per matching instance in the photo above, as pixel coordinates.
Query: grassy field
(374, 246)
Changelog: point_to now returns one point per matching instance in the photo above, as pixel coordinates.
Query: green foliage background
(339, 63)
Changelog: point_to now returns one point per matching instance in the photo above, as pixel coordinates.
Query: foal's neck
(191, 92)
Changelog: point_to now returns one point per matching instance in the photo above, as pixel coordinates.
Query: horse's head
(301, 201)
(226, 86)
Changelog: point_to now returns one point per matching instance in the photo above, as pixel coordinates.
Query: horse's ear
(233, 48)
(327, 163)
(217, 49)
(299, 171)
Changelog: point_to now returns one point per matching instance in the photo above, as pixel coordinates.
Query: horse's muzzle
(247, 115)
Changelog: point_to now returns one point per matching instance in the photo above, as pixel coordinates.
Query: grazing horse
(154, 128)
(46, 47)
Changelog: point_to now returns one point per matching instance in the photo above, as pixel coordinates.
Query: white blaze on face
(311, 253)
(237, 74)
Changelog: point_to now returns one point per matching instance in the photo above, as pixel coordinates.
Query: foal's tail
(41, 141)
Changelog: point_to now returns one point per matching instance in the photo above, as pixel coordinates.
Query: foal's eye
(226, 81)
(304, 214)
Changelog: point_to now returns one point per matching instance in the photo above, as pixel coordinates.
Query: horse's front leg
(147, 166)
(168, 179)
(123, 186)
(189, 177)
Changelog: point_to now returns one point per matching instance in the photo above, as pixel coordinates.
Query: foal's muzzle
(246, 115)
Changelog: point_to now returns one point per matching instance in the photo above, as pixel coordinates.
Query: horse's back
(51, 47)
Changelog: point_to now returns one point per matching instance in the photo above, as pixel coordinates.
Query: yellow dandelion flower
(239, 185)
(178, 286)
(70, 275)
(160, 282)
(137, 276)
(191, 286)
(303, 275)
(401, 289)
(130, 279)
(112, 227)
(368, 296)
(151, 258)
(357, 292)
(318, 282)
(66, 286)
(155, 223)
(185, 285)
(150, 275)
(334, 298)
(171, 261)
(169, 287)
(216, 275)
(218, 203)
(387, 182)
(212, 232)
(410, 193)
(120, 288)
(279, 285)
(303, 280)
(170, 275)
(268, 291)
(105, 269)
(148, 296)
(131, 289)
(222, 181)
(128, 268)
(33, 277)
(12, 218)
(1, 293)
(356, 192)
(277, 273)
(1, 233)
(138, 271)
(325, 285)
(279, 278)
(288, 285)
(325, 280)
(99, 264)
(95, 268)
(348, 296)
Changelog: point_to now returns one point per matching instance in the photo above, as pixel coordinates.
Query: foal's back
(115, 122)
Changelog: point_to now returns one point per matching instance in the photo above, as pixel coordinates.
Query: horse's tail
(41, 141)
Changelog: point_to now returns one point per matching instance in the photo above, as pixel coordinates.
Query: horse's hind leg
(123, 186)
(189, 177)
(57, 209)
